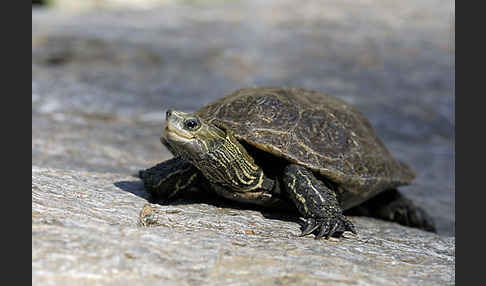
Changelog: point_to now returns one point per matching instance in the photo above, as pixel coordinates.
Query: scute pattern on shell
(323, 133)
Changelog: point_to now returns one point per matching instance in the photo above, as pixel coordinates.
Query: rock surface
(102, 80)
(98, 229)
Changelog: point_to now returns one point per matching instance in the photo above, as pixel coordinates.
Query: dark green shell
(312, 129)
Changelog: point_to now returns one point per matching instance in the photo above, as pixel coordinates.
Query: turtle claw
(350, 227)
(333, 230)
(328, 227)
(311, 225)
(323, 231)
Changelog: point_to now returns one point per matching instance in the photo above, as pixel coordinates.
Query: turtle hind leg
(316, 202)
(393, 206)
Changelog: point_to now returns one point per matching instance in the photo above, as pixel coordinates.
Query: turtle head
(212, 148)
(190, 136)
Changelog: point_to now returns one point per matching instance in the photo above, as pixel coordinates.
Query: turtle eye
(191, 124)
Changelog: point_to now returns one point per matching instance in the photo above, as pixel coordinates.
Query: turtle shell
(312, 129)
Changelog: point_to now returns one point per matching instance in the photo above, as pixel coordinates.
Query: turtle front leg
(164, 180)
(316, 202)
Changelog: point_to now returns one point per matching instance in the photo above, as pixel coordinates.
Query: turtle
(286, 148)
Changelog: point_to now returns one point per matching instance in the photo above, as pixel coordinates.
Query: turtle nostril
(168, 113)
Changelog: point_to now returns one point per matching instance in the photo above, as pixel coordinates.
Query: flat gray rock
(98, 229)
(102, 80)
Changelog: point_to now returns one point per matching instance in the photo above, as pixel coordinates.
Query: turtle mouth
(173, 133)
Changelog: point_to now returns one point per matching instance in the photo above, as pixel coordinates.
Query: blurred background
(105, 71)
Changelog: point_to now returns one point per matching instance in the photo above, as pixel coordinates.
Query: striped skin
(317, 203)
(233, 174)
(230, 166)
(167, 179)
